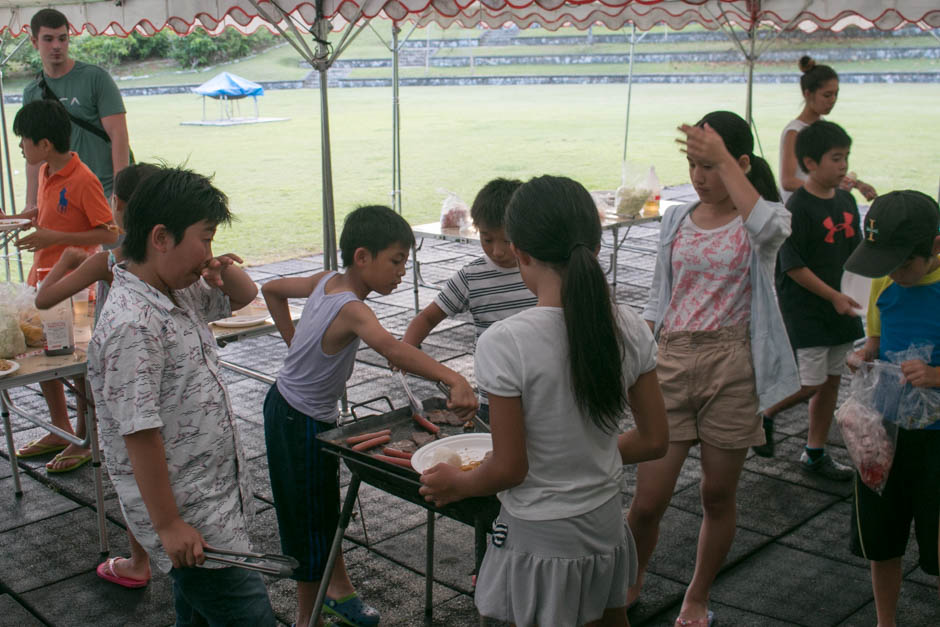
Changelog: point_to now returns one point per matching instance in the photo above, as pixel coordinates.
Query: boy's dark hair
(375, 228)
(819, 138)
(127, 180)
(814, 74)
(489, 207)
(44, 119)
(50, 18)
(737, 137)
(177, 198)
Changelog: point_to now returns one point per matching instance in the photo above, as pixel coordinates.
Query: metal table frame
(39, 368)
(611, 222)
(61, 367)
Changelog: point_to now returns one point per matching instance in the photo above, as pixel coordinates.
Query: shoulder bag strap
(48, 94)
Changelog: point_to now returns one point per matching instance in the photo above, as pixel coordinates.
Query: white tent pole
(9, 168)
(396, 120)
(626, 132)
(752, 32)
(322, 29)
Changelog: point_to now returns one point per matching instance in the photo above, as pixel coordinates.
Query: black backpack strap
(48, 94)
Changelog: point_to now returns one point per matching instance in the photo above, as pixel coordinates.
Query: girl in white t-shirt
(723, 348)
(820, 87)
(560, 377)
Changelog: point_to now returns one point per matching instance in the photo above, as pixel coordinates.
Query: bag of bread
(454, 212)
(633, 191)
(12, 342)
(20, 300)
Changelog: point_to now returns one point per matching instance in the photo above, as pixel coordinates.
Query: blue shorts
(305, 484)
(220, 596)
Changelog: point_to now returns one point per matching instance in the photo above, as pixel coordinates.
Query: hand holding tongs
(267, 563)
(417, 408)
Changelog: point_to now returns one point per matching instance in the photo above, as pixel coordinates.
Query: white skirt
(557, 572)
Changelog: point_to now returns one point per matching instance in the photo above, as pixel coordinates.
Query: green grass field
(457, 138)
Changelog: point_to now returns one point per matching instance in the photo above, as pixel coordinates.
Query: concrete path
(790, 563)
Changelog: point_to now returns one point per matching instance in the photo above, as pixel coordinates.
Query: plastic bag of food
(869, 441)
(633, 191)
(901, 403)
(12, 342)
(454, 212)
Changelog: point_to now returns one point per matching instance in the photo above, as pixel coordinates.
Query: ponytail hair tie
(575, 245)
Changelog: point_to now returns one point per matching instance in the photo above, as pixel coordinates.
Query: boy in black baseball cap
(900, 252)
(901, 227)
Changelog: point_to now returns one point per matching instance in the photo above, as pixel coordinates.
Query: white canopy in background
(297, 21)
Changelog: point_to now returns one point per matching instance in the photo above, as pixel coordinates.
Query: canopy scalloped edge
(182, 16)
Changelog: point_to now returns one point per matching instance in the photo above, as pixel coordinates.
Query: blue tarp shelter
(226, 87)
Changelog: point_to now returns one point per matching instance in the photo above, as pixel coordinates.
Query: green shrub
(199, 49)
(194, 50)
(100, 50)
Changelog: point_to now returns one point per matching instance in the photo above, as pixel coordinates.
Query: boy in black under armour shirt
(821, 321)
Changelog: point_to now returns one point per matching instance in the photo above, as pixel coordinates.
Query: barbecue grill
(403, 483)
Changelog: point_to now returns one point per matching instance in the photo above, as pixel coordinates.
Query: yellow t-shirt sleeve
(873, 318)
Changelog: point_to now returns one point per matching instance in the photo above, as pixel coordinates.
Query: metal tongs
(267, 563)
(418, 408)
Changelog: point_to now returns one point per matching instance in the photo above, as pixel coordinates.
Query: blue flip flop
(352, 611)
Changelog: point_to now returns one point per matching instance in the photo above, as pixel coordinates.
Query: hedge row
(194, 50)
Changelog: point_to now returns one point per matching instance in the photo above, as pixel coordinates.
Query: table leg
(416, 273)
(429, 569)
(91, 431)
(613, 260)
(352, 491)
(11, 448)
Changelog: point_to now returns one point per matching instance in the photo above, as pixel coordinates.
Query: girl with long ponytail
(560, 377)
(819, 85)
(723, 348)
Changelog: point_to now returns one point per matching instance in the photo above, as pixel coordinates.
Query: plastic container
(58, 324)
(651, 206)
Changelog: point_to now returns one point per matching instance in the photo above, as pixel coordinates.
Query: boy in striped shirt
(489, 287)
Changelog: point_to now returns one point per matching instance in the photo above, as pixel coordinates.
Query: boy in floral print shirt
(167, 427)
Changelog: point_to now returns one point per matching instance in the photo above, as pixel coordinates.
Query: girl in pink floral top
(713, 307)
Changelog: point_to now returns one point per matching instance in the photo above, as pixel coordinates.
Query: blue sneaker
(352, 611)
(826, 467)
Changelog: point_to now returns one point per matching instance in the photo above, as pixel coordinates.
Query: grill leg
(429, 568)
(479, 549)
(351, 493)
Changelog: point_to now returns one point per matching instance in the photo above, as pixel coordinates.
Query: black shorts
(305, 484)
(881, 525)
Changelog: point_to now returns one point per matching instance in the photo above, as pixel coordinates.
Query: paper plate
(10, 224)
(242, 320)
(470, 446)
(15, 366)
(256, 312)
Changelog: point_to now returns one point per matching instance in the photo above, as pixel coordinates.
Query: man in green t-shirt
(88, 93)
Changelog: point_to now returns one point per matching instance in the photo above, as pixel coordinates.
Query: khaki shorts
(707, 380)
(819, 362)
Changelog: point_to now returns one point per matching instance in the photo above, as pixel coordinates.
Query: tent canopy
(229, 86)
(108, 17)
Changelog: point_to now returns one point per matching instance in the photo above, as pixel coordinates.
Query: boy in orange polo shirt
(71, 211)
